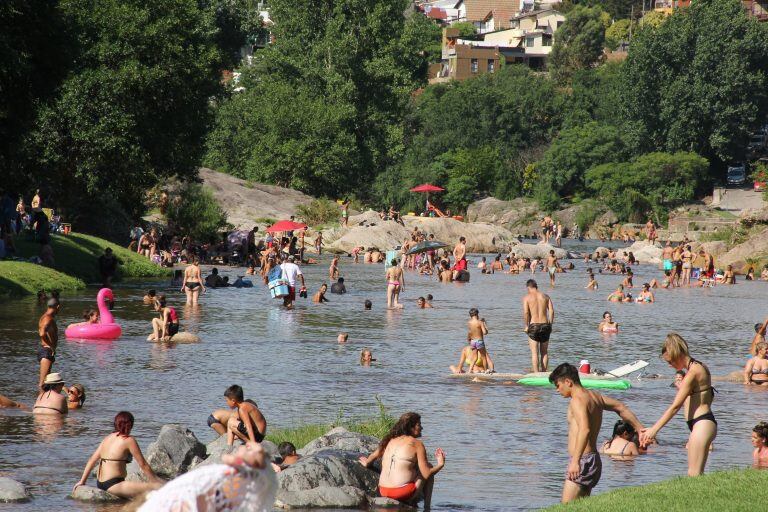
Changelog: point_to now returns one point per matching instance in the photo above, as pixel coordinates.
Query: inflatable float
(588, 381)
(106, 329)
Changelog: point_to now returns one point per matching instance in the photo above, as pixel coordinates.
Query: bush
(195, 212)
(586, 216)
(319, 211)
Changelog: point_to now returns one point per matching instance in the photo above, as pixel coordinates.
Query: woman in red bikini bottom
(405, 471)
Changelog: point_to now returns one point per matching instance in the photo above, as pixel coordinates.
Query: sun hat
(53, 378)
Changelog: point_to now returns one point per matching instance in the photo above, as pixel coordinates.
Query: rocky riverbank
(328, 475)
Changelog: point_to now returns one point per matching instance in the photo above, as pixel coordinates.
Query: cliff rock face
(754, 248)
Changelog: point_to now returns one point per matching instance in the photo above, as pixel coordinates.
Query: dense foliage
(579, 42)
(195, 212)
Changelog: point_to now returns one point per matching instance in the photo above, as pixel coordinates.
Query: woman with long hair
(406, 473)
(112, 456)
(695, 388)
(395, 284)
(622, 441)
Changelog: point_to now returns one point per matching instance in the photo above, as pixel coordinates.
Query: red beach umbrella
(285, 225)
(427, 187)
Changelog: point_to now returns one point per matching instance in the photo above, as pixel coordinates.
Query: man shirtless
(459, 257)
(585, 417)
(333, 270)
(538, 317)
(477, 329)
(247, 423)
(446, 274)
(49, 340)
(552, 266)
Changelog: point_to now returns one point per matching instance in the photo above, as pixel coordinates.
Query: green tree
(195, 212)
(653, 183)
(468, 171)
(573, 151)
(617, 33)
(698, 81)
(238, 23)
(578, 43)
(135, 106)
(466, 28)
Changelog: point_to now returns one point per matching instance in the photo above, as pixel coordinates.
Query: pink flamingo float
(106, 329)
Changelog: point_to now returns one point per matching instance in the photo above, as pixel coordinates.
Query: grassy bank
(723, 490)
(301, 435)
(20, 278)
(77, 255)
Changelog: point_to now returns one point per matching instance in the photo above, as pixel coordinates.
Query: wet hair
(758, 327)
(341, 280)
(161, 300)
(152, 293)
(646, 285)
(326, 286)
(565, 371)
(473, 312)
(123, 423)
(286, 448)
(606, 313)
(362, 355)
(761, 429)
(674, 346)
(552, 252)
(403, 427)
(234, 392)
(761, 346)
(429, 296)
(620, 428)
(531, 283)
(421, 299)
(393, 262)
(214, 271)
(368, 304)
(344, 336)
(88, 312)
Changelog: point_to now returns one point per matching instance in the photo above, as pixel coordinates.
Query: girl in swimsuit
(646, 295)
(167, 325)
(192, 284)
(405, 470)
(687, 258)
(756, 370)
(395, 285)
(112, 456)
(695, 388)
(76, 396)
(608, 325)
(760, 442)
(621, 442)
(618, 295)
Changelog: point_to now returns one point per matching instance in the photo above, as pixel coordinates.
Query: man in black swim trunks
(244, 421)
(538, 317)
(585, 416)
(49, 340)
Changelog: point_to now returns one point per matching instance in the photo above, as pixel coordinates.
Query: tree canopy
(578, 42)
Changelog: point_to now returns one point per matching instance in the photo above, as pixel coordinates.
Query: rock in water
(175, 451)
(12, 491)
(185, 337)
(322, 497)
(93, 495)
(389, 503)
(341, 439)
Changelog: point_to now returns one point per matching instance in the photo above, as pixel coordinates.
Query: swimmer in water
(150, 297)
(592, 285)
(423, 304)
(622, 441)
(760, 442)
(646, 295)
(75, 396)
(758, 337)
(319, 297)
(366, 357)
(608, 325)
(618, 295)
(756, 369)
(343, 337)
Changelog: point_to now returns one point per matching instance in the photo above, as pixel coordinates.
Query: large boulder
(390, 504)
(93, 495)
(755, 247)
(384, 235)
(341, 439)
(12, 491)
(518, 214)
(480, 237)
(539, 250)
(716, 248)
(645, 252)
(175, 451)
(307, 483)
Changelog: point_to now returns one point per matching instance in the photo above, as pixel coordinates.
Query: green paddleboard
(586, 382)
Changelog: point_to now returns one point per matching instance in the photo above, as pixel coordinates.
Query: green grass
(723, 490)
(77, 255)
(21, 278)
(377, 426)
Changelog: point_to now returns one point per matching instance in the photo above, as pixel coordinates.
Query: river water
(505, 444)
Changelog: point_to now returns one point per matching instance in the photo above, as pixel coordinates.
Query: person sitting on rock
(245, 422)
(406, 473)
(288, 456)
(338, 287)
(113, 455)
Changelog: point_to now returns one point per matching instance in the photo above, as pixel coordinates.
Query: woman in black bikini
(51, 401)
(696, 388)
(112, 456)
(192, 284)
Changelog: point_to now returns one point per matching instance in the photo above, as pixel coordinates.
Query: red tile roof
(501, 10)
(436, 13)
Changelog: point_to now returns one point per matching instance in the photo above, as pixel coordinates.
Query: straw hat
(53, 378)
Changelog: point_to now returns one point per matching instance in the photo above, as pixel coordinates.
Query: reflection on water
(505, 443)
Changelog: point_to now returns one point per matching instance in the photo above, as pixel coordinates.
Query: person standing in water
(406, 472)
(476, 331)
(696, 390)
(552, 266)
(395, 284)
(538, 317)
(585, 417)
(192, 284)
(49, 340)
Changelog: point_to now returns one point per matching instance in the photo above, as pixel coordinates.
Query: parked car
(756, 142)
(737, 174)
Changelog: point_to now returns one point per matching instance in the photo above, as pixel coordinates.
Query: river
(505, 444)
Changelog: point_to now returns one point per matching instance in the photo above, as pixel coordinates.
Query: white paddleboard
(621, 371)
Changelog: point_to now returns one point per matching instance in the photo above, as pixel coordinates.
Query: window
(546, 40)
(514, 24)
(473, 65)
(491, 66)
(559, 23)
(530, 42)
